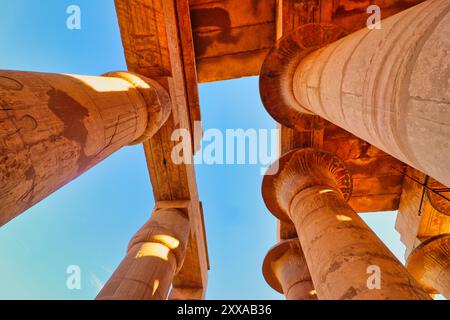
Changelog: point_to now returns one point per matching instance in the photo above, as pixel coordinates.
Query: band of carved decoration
(429, 263)
(156, 98)
(439, 201)
(300, 169)
(277, 72)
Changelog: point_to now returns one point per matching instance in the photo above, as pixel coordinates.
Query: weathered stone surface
(429, 263)
(154, 255)
(286, 271)
(224, 37)
(157, 39)
(310, 189)
(314, 131)
(54, 127)
(388, 87)
(417, 218)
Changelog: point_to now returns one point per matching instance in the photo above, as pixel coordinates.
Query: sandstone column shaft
(54, 127)
(341, 247)
(311, 189)
(186, 293)
(389, 87)
(154, 256)
(286, 271)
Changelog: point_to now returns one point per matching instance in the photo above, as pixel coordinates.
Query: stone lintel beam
(429, 263)
(54, 127)
(311, 188)
(155, 254)
(387, 86)
(286, 271)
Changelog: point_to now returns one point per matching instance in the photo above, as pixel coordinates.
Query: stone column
(155, 255)
(54, 127)
(390, 87)
(429, 263)
(186, 293)
(285, 270)
(311, 188)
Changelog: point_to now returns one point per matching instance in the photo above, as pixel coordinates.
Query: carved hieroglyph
(310, 188)
(429, 263)
(54, 127)
(388, 87)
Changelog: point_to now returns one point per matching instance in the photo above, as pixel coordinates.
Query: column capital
(156, 98)
(429, 263)
(155, 254)
(285, 267)
(279, 67)
(388, 86)
(168, 227)
(301, 169)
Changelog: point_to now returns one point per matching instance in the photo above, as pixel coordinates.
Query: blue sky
(90, 221)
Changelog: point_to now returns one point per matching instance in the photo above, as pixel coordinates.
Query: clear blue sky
(90, 221)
